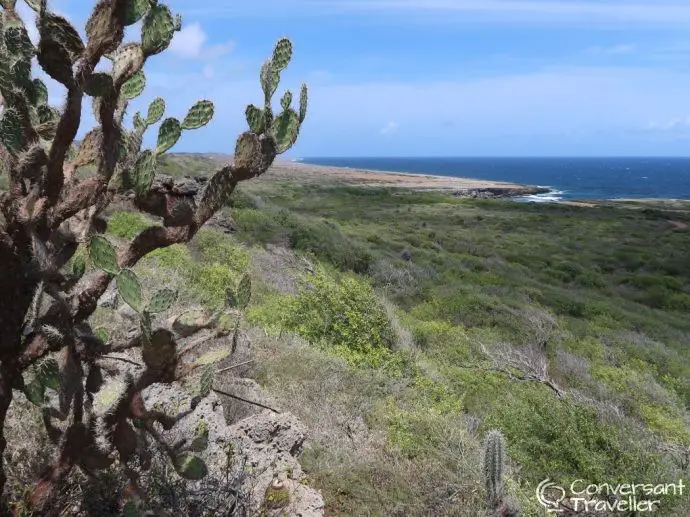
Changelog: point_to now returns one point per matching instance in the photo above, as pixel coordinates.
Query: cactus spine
(50, 211)
(494, 464)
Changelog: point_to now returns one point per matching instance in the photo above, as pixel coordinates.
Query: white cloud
(670, 125)
(190, 43)
(389, 128)
(598, 107)
(625, 48)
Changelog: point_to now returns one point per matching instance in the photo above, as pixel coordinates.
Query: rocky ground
(248, 443)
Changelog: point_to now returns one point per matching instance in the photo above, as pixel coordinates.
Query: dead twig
(123, 359)
(235, 366)
(245, 400)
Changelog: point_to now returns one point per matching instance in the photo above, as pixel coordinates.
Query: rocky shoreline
(500, 192)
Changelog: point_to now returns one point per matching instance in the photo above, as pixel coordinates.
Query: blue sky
(436, 77)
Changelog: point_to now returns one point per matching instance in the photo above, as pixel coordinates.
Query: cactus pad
(244, 291)
(212, 357)
(98, 84)
(47, 114)
(35, 392)
(285, 129)
(58, 29)
(55, 61)
(133, 86)
(269, 78)
(103, 28)
(206, 380)
(159, 351)
(200, 442)
(20, 79)
(255, 119)
(247, 151)
(190, 467)
(156, 110)
(282, 53)
(11, 131)
(157, 30)
(128, 60)
(144, 172)
(138, 123)
(199, 115)
(89, 149)
(135, 10)
(303, 103)
(48, 374)
(162, 300)
(78, 266)
(168, 134)
(40, 92)
(129, 288)
(103, 254)
(145, 325)
(286, 100)
(17, 42)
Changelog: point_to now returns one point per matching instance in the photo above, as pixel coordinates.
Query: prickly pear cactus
(55, 259)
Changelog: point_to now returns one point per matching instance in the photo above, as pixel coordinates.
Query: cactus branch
(49, 213)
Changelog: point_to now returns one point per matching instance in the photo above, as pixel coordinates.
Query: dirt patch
(361, 177)
(279, 268)
(678, 224)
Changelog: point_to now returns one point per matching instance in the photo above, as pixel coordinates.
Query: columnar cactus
(49, 212)
(494, 464)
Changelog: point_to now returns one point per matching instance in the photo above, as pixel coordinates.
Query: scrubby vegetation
(564, 327)
(402, 363)
(446, 354)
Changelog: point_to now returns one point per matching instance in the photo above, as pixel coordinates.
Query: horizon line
(426, 157)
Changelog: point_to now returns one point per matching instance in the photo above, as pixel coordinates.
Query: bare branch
(66, 132)
(222, 370)
(245, 400)
(528, 365)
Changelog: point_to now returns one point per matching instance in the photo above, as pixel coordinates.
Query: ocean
(568, 178)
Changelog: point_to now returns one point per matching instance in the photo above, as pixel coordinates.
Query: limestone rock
(243, 460)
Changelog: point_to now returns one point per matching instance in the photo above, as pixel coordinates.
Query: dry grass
(349, 454)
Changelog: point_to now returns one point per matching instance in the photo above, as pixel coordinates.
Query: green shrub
(672, 428)
(127, 224)
(272, 313)
(564, 441)
(256, 226)
(330, 244)
(221, 263)
(216, 247)
(240, 199)
(342, 315)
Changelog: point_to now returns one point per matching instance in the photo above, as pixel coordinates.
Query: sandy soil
(369, 178)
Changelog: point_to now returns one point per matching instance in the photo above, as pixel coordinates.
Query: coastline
(465, 187)
(461, 187)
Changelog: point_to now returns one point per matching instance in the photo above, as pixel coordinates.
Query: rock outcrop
(499, 192)
(252, 464)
